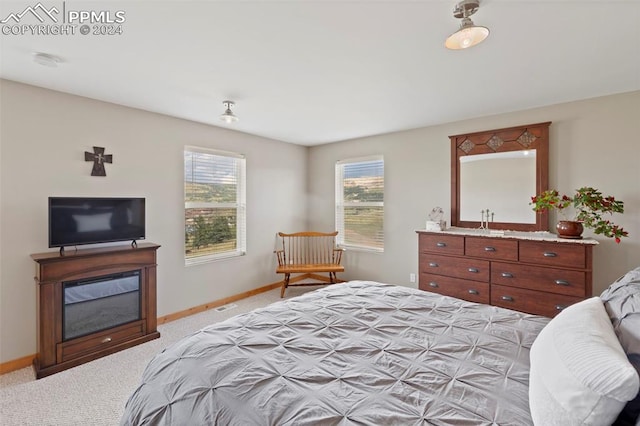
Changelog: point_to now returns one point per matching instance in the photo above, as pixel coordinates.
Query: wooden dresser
(533, 272)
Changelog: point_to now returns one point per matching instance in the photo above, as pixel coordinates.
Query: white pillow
(579, 372)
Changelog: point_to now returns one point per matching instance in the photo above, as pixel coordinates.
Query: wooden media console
(92, 303)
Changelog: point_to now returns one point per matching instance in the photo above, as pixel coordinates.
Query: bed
(359, 352)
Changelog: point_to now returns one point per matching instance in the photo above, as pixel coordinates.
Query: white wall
(592, 142)
(43, 136)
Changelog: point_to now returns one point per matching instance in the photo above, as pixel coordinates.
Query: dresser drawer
(472, 291)
(457, 267)
(491, 248)
(531, 301)
(553, 254)
(446, 244)
(89, 344)
(560, 281)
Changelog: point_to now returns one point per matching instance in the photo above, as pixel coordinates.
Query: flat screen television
(84, 220)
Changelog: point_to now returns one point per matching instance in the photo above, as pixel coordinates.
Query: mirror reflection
(502, 182)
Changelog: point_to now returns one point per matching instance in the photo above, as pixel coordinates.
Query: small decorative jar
(569, 229)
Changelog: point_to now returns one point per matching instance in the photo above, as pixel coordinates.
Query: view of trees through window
(361, 203)
(209, 231)
(211, 204)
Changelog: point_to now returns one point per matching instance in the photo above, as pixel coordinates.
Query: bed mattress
(354, 353)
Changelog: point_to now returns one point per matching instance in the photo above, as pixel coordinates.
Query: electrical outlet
(412, 278)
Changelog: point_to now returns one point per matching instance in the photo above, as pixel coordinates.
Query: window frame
(340, 203)
(240, 205)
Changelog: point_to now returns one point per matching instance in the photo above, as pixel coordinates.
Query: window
(214, 205)
(360, 203)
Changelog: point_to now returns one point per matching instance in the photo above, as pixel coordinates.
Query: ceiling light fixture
(469, 34)
(228, 116)
(46, 59)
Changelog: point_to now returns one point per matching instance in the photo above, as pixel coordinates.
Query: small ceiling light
(228, 116)
(46, 59)
(469, 34)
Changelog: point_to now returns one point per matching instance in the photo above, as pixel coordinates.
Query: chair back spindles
(306, 253)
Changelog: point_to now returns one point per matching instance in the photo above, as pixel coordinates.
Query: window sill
(361, 248)
(212, 258)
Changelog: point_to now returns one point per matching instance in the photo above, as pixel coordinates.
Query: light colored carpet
(94, 394)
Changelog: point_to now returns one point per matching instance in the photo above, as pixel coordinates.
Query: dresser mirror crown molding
(499, 171)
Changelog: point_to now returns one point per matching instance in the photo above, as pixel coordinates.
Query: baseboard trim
(26, 361)
(17, 364)
(214, 304)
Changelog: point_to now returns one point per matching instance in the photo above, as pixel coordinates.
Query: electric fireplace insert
(100, 303)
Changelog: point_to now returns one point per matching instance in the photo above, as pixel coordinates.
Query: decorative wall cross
(99, 158)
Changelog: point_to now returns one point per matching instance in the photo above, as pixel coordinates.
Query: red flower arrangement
(590, 205)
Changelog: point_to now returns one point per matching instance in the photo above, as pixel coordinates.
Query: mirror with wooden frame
(499, 171)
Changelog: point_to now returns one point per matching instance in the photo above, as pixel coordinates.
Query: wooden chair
(307, 253)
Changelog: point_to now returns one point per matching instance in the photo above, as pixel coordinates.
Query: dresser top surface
(518, 235)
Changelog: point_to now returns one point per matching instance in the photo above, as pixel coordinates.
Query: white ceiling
(312, 72)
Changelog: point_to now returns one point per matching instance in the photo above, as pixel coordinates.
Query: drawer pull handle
(489, 249)
(507, 275)
(473, 270)
(472, 291)
(560, 307)
(433, 264)
(434, 285)
(441, 244)
(549, 254)
(562, 282)
(106, 340)
(507, 298)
